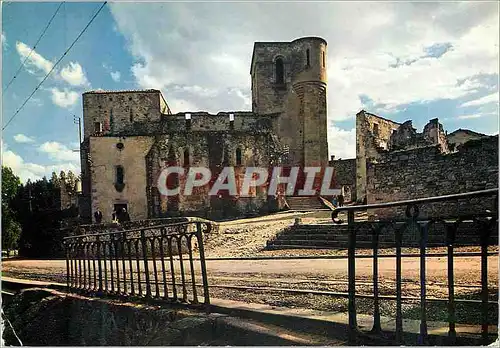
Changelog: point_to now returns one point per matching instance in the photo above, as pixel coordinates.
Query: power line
(53, 67)
(29, 55)
(6, 3)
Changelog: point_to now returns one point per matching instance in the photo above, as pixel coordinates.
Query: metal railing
(140, 263)
(486, 223)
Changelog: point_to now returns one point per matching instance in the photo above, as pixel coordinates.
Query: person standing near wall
(341, 200)
(98, 216)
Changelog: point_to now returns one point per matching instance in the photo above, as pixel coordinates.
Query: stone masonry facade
(394, 162)
(345, 176)
(379, 141)
(428, 171)
(131, 136)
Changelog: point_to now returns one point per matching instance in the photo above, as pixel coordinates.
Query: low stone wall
(426, 172)
(47, 317)
(345, 175)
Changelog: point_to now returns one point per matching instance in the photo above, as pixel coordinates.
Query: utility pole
(29, 197)
(77, 120)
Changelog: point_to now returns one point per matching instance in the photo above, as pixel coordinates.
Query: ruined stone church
(130, 136)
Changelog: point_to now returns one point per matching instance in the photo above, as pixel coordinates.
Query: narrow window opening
(111, 119)
(186, 157)
(375, 128)
(119, 175)
(188, 121)
(97, 127)
(238, 157)
(231, 121)
(131, 116)
(307, 56)
(280, 71)
(324, 60)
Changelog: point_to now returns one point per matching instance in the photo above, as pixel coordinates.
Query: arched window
(238, 157)
(186, 157)
(119, 175)
(307, 56)
(280, 71)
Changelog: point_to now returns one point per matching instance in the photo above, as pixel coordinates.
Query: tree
(11, 229)
(10, 184)
(54, 180)
(71, 181)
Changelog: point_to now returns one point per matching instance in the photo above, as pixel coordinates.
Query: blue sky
(399, 60)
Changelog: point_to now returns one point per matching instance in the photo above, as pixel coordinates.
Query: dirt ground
(247, 237)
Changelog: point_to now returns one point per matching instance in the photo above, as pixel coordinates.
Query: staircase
(333, 236)
(305, 203)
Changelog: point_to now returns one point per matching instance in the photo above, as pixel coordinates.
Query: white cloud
(59, 152)
(73, 74)
(21, 138)
(466, 117)
(35, 60)
(363, 60)
(490, 98)
(115, 76)
(65, 98)
(342, 143)
(27, 170)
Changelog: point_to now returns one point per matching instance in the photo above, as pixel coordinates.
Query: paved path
(467, 269)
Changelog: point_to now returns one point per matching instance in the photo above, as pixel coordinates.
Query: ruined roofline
(289, 42)
(468, 131)
(373, 115)
(222, 114)
(205, 113)
(123, 91)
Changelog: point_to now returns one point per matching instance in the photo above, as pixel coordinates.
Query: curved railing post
(99, 266)
(146, 267)
(201, 249)
(351, 275)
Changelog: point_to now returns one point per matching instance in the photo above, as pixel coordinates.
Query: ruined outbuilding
(130, 136)
(396, 162)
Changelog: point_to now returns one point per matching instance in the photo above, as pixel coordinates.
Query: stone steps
(304, 203)
(337, 236)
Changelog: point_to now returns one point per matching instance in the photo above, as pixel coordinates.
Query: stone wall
(50, 318)
(427, 172)
(373, 135)
(406, 137)
(117, 110)
(213, 150)
(106, 156)
(345, 177)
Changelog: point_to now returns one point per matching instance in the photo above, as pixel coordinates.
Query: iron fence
(140, 263)
(420, 227)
